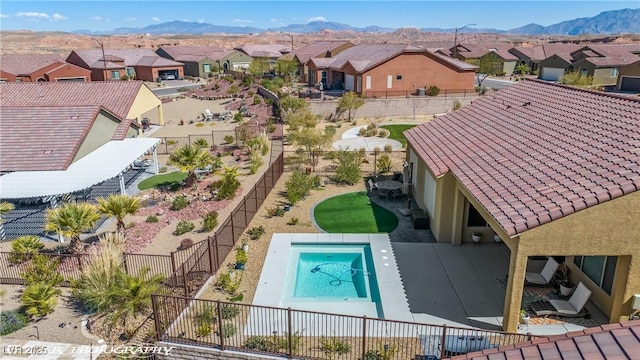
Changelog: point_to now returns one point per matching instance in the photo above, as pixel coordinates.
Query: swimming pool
(334, 273)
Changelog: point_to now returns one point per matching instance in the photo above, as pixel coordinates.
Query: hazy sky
(107, 15)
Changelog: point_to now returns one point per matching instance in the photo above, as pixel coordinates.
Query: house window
(584, 72)
(206, 68)
(18, 80)
(115, 75)
(600, 269)
(474, 219)
(398, 77)
(614, 72)
(131, 72)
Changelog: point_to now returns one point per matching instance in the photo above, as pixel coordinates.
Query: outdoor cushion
(545, 275)
(574, 305)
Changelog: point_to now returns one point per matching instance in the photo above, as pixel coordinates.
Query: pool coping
(393, 299)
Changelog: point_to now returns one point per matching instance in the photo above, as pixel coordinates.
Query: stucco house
(138, 64)
(533, 55)
(318, 49)
(497, 53)
(550, 169)
(629, 78)
(39, 68)
(268, 53)
(390, 69)
(603, 62)
(199, 61)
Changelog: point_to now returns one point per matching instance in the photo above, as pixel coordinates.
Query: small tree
(40, 299)
(577, 79)
(24, 247)
(350, 102)
(71, 219)
(189, 158)
(257, 68)
(523, 69)
(489, 64)
(348, 170)
(228, 185)
(118, 206)
(286, 68)
(298, 186)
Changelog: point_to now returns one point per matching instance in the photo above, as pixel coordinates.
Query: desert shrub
(293, 221)
(183, 227)
(433, 90)
(388, 148)
(362, 132)
(229, 311)
(250, 92)
(23, 248)
(348, 170)
(236, 298)
(228, 139)
(384, 164)
(228, 330)
(241, 256)
(227, 186)
(456, 105)
(275, 212)
(237, 117)
(298, 186)
(152, 219)
(260, 343)
(233, 89)
(382, 133)
(205, 316)
(186, 243)
(268, 101)
(255, 161)
(371, 133)
(257, 100)
(199, 125)
(204, 329)
(42, 269)
(172, 142)
(223, 281)
(11, 321)
(210, 221)
(179, 203)
(228, 285)
(162, 169)
(256, 232)
(40, 299)
(331, 346)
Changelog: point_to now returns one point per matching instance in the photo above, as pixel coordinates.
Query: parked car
(168, 77)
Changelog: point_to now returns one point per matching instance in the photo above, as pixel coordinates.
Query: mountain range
(608, 22)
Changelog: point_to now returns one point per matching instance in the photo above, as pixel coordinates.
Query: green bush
(210, 221)
(40, 299)
(23, 248)
(275, 212)
(384, 164)
(237, 117)
(203, 329)
(11, 321)
(205, 316)
(152, 219)
(433, 90)
(330, 346)
(388, 148)
(348, 170)
(199, 125)
(183, 227)
(226, 188)
(256, 232)
(456, 105)
(162, 169)
(260, 343)
(179, 203)
(42, 269)
(257, 100)
(330, 130)
(228, 139)
(241, 256)
(228, 330)
(298, 186)
(228, 311)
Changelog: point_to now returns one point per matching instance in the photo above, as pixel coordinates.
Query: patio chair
(545, 276)
(569, 308)
(372, 186)
(397, 194)
(383, 193)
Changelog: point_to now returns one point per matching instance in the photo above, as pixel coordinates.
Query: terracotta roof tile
(42, 138)
(267, 50)
(315, 49)
(179, 52)
(116, 96)
(25, 64)
(131, 57)
(560, 151)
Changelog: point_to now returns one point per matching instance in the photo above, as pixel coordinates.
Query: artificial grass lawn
(162, 180)
(353, 213)
(395, 132)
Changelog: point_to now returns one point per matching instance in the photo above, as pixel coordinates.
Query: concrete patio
(464, 285)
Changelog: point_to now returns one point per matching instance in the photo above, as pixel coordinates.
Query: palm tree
(5, 207)
(118, 206)
(71, 219)
(134, 292)
(189, 158)
(523, 69)
(40, 299)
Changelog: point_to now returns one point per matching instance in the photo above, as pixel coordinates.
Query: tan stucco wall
(602, 76)
(554, 62)
(100, 133)
(145, 100)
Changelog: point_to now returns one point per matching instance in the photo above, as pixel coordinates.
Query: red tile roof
(27, 64)
(472, 51)
(541, 52)
(315, 49)
(367, 56)
(610, 55)
(42, 138)
(132, 57)
(264, 51)
(195, 53)
(116, 96)
(536, 151)
(611, 341)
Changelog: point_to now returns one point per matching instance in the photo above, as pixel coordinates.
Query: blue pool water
(327, 275)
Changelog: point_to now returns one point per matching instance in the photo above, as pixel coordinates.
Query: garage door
(631, 84)
(551, 74)
(349, 83)
(79, 79)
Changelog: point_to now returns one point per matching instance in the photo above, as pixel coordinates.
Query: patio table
(389, 185)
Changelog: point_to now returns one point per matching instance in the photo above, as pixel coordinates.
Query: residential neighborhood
(326, 199)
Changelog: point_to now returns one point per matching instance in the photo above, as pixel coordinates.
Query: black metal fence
(312, 335)
(419, 93)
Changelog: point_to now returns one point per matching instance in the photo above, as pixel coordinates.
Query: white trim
(104, 163)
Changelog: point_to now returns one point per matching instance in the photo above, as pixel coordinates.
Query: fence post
(289, 336)
(156, 315)
(215, 236)
(184, 279)
(211, 271)
(173, 262)
(442, 343)
(364, 335)
(255, 191)
(220, 335)
(79, 261)
(233, 234)
(124, 263)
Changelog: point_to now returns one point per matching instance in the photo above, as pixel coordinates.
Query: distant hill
(608, 22)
